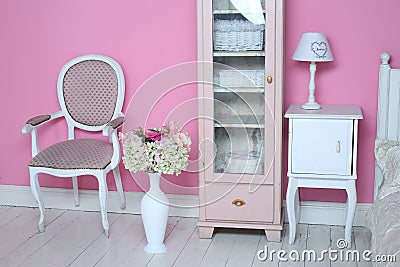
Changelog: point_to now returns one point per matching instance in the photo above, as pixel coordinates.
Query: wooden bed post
(383, 96)
(383, 116)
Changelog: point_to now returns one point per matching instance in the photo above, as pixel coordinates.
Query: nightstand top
(330, 111)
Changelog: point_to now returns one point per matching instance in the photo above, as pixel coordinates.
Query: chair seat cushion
(75, 154)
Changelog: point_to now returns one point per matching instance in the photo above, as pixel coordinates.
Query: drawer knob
(239, 202)
(338, 147)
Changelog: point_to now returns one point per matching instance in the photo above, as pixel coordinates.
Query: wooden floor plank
(140, 258)
(337, 235)
(175, 243)
(362, 241)
(68, 244)
(133, 243)
(262, 259)
(3, 210)
(318, 240)
(22, 228)
(101, 246)
(123, 247)
(194, 251)
(76, 238)
(220, 248)
(9, 214)
(56, 221)
(245, 248)
(300, 244)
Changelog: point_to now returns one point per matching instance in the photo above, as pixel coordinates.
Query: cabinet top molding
(326, 112)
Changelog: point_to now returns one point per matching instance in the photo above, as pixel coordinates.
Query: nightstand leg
(292, 208)
(351, 209)
(297, 206)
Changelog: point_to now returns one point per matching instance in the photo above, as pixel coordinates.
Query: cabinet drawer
(230, 202)
(322, 146)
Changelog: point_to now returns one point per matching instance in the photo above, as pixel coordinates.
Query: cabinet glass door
(238, 85)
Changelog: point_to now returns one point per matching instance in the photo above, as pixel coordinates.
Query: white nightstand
(322, 154)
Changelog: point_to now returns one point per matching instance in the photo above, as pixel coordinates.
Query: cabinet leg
(206, 232)
(351, 209)
(273, 235)
(291, 198)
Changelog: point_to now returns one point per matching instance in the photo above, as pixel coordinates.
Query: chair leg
(118, 183)
(35, 187)
(76, 190)
(103, 201)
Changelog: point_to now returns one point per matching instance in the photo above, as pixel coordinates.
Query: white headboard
(388, 119)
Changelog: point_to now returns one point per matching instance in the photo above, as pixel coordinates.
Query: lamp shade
(314, 47)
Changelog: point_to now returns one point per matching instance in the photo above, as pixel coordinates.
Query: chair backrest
(91, 91)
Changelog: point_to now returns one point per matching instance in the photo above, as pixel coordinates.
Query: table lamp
(312, 47)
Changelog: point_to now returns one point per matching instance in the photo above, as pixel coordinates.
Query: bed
(383, 218)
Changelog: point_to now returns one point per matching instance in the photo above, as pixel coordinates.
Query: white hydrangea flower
(170, 155)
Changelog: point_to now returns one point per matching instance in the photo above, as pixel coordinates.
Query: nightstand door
(322, 146)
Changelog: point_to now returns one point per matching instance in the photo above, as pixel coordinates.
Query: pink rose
(153, 135)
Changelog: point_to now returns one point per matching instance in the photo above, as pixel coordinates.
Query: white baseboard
(329, 213)
(312, 212)
(61, 198)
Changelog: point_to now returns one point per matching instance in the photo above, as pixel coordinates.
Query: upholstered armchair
(91, 92)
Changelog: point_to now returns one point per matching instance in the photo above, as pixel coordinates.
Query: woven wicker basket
(238, 35)
(241, 78)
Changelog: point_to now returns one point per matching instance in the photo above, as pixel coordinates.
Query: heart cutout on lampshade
(319, 49)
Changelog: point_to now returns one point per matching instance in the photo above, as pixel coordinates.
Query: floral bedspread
(383, 218)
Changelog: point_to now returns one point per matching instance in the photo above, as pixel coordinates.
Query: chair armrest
(113, 125)
(34, 122)
(31, 125)
(38, 120)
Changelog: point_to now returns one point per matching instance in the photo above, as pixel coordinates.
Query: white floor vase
(154, 209)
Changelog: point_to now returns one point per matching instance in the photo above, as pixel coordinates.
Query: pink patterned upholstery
(38, 120)
(75, 154)
(115, 123)
(90, 91)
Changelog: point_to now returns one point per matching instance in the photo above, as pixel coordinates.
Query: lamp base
(311, 105)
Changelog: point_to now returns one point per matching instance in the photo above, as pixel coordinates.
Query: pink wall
(38, 37)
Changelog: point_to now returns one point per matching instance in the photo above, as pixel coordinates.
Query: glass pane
(239, 77)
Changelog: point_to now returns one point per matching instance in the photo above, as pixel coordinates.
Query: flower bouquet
(161, 150)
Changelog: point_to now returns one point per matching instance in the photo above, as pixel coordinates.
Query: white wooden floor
(75, 238)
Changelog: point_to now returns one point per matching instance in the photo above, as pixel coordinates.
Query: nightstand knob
(239, 202)
(338, 146)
